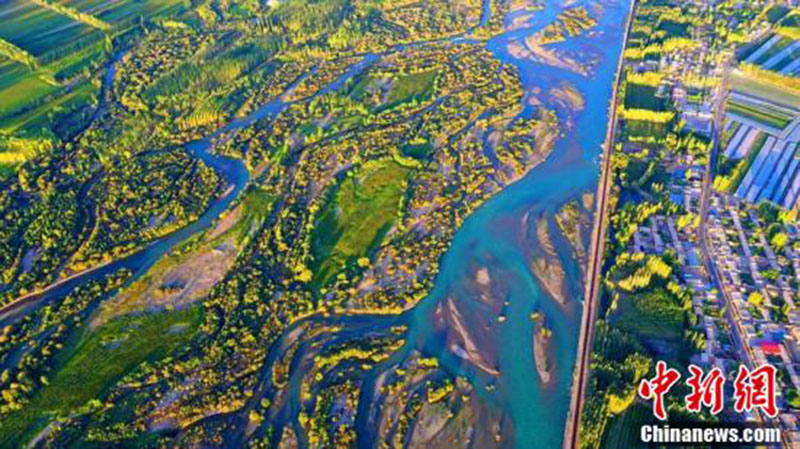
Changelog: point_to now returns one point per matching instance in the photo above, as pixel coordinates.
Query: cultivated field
(52, 60)
(760, 158)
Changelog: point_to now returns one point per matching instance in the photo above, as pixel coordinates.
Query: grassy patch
(650, 315)
(776, 13)
(93, 360)
(760, 115)
(256, 204)
(357, 87)
(416, 85)
(624, 430)
(674, 29)
(360, 213)
(639, 96)
(7, 170)
(645, 129)
(770, 92)
(419, 151)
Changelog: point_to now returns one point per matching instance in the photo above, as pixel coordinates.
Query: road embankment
(594, 274)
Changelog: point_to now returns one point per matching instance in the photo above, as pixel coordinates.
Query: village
(722, 182)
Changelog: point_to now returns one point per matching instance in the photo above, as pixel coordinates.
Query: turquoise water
(494, 236)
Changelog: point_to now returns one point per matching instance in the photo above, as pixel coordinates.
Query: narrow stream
(232, 170)
(497, 236)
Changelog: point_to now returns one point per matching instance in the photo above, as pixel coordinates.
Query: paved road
(719, 115)
(702, 229)
(594, 274)
(730, 312)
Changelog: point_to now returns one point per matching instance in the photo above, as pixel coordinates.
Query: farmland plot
(116, 11)
(52, 62)
(764, 115)
(39, 30)
(780, 171)
(766, 92)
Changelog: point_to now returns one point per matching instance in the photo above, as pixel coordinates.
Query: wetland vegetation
(346, 142)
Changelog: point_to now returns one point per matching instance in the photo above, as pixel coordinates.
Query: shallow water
(233, 171)
(494, 236)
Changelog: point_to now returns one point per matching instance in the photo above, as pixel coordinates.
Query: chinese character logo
(705, 390)
(755, 389)
(658, 386)
(752, 389)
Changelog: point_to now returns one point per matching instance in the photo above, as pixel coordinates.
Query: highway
(594, 273)
(719, 115)
(702, 230)
(731, 312)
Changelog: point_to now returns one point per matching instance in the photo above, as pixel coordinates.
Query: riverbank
(498, 237)
(572, 430)
(457, 210)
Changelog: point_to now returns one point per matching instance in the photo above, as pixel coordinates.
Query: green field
(638, 129)
(11, 72)
(71, 64)
(25, 90)
(121, 11)
(38, 118)
(256, 204)
(624, 430)
(412, 87)
(48, 98)
(766, 91)
(759, 114)
(362, 210)
(639, 96)
(415, 86)
(650, 315)
(39, 30)
(94, 359)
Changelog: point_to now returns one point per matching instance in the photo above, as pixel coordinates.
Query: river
(234, 172)
(495, 236)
